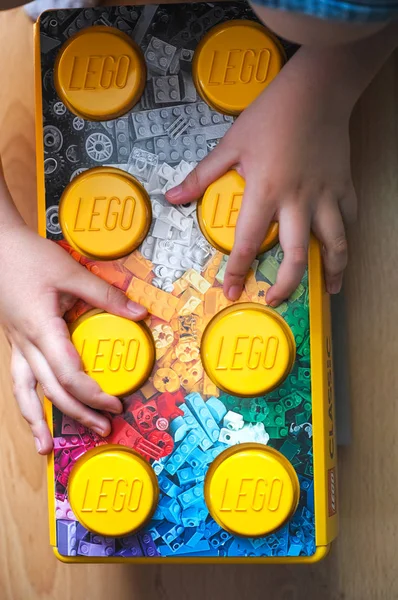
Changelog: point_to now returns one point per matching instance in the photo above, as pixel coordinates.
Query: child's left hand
(292, 147)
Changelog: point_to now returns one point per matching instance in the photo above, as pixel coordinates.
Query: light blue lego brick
(169, 532)
(192, 536)
(198, 458)
(219, 539)
(181, 453)
(158, 514)
(153, 531)
(201, 546)
(191, 496)
(198, 406)
(217, 409)
(193, 516)
(189, 475)
(193, 424)
(295, 549)
(170, 509)
(168, 487)
(213, 452)
(179, 428)
(157, 466)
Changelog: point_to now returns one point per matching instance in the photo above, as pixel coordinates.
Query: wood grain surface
(363, 564)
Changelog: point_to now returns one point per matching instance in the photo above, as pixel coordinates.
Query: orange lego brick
(187, 350)
(168, 358)
(159, 303)
(215, 301)
(188, 302)
(209, 388)
(180, 285)
(138, 265)
(255, 290)
(189, 373)
(211, 270)
(163, 336)
(77, 310)
(112, 272)
(148, 390)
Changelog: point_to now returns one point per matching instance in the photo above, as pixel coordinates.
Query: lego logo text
(224, 213)
(105, 213)
(99, 72)
(110, 494)
(239, 67)
(110, 355)
(251, 494)
(247, 352)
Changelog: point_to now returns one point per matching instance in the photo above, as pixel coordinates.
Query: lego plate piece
(251, 490)
(218, 213)
(113, 491)
(247, 349)
(100, 73)
(234, 63)
(119, 354)
(105, 213)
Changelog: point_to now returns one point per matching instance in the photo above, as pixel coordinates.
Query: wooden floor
(364, 562)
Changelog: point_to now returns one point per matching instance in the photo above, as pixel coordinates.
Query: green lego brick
(298, 293)
(269, 268)
(282, 308)
(290, 449)
(277, 433)
(221, 270)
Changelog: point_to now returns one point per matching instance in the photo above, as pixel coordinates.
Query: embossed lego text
(99, 72)
(255, 494)
(239, 67)
(246, 351)
(109, 494)
(225, 213)
(110, 355)
(105, 213)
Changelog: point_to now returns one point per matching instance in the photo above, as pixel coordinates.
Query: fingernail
(334, 287)
(136, 309)
(234, 292)
(98, 430)
(37, 444)
(114, 410)
(174, 193)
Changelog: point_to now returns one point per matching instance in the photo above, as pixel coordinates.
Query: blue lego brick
(189, 475)
(217, 409)
(171, 510)
(193, 424)
(168, 487)
(66, 537)
(158, 514)
(129, 543)
(197, 458)
(193, 516)
(241, 547)
(153, 530)
(219, 539)
(192, 535)
(147, 545)
(87, 548)
(134, 551)
(179, 456)
(211, 528)
(198, 406)
(307, 491)
(191, 496)
(169, 531)
(157, 466)
(178, 428)
(295, 548)
(201, 546)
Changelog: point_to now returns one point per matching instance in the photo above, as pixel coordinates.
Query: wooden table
(364, 562)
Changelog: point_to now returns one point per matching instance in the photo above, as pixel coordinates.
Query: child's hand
(39, 283)
(292, 147)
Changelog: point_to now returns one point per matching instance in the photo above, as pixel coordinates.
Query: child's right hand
(39, 283)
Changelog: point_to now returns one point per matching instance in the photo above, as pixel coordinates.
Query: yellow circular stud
(247, 349)
(105, 213)
(117, 353)
(251, 490)
(218, 212)
(100, 73)
(112, 491)
(234, 63)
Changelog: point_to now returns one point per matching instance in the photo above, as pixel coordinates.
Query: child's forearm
(338, 75)
(9, 215)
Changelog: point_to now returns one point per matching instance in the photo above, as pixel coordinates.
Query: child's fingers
(52, 339)
(223, 157)
(251, 228)
(328, 227)
(99, 293)
(294, 231)
(63, 400)
(29, 402)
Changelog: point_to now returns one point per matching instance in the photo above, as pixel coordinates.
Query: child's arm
(292, 147)
(39, 283)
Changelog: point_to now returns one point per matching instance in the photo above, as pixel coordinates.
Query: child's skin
(291, 146)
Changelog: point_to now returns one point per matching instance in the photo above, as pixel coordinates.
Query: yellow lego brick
(166, 380)
(148, 390)
(196, 280)
(188, 302)
(160, 352)
(159, 303)
(167, 360)
(215, 301)
(209, 388)
(197, 387)
(163, 335)
(187, 350)
(179, 286)
(211, 270)
(138, 265)
(189, 373)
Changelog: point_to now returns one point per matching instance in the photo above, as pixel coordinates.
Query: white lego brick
(233, 421)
